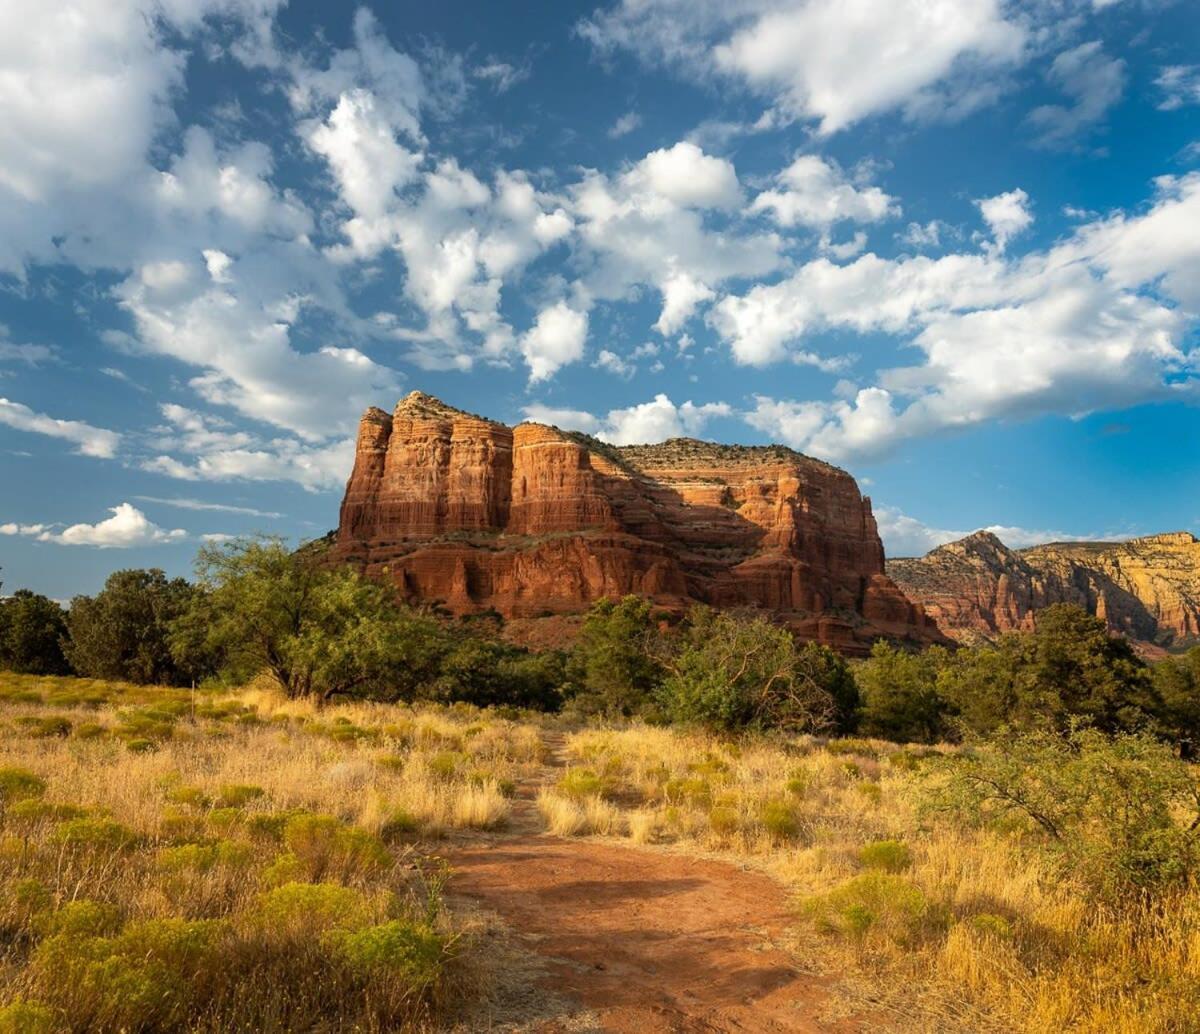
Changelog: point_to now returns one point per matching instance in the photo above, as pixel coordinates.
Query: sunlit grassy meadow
(235, 861)
(179, 861)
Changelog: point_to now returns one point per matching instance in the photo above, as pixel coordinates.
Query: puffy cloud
(686, 176)
(832, 61)
(88, 440)
(1006, 215)
(681, 295)
(647, 227)
(653, 421)
(816, 193)
(1092, 80)
(362, 151)
(1069, 330)
(614, 364)
(555, 340)
(1180, 85)
(127, 527)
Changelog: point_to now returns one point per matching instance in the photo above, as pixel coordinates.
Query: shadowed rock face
(533, 521)
(976, 588)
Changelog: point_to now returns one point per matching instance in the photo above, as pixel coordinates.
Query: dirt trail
(646, 941)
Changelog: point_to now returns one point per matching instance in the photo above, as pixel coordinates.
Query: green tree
(732, 671)
(122, 632)
(1071, 666)
(613, 660)
(900, 700)
(317, 630)
(32, 629)
(827, 670)
(1177, 685)
(487, 672)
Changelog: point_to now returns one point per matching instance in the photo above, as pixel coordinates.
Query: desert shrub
(27, 1018)
(316, 630)
(876, 903)
(141, 978)
(397, 950)
(35, 811)
(1069, 668)
(724, 820)
(1119, 814)
(82, 918)
(202, 858)
(295, 910)
(885, 855)
(237, 795)
(778, 818)
(489, 672)
(579, 783)
(324, 846)
(729, 671)
(95, 834)
(17, 784)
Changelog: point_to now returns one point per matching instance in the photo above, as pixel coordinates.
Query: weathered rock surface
(533, 521)
(976, 588)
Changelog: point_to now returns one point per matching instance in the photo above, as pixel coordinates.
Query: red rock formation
(1146, 588)
(534, 521)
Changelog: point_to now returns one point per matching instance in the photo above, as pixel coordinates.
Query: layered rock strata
(533, 521)
(977, 588)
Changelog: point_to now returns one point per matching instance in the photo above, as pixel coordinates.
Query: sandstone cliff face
(533, 521)
(976, 588)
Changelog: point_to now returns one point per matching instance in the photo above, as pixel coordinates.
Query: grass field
(236, 862)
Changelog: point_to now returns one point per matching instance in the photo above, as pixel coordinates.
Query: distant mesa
(977, 588)
(535, 522)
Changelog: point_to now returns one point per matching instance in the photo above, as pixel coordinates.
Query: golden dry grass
(951, 928)
(179, 861)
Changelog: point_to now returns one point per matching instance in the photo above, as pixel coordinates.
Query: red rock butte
(534, 522)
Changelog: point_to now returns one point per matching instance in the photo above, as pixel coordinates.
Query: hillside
(976, 588)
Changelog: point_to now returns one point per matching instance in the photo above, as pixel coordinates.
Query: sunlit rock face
(976, 588)
(536, 522)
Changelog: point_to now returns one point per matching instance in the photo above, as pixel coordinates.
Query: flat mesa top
(675, 452)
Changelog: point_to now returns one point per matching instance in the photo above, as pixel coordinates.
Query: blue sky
(950, 245)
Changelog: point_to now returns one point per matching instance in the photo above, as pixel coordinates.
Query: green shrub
(26, 1018)
(17, 784)
(992, 926)
(445, 765)
(399, 823)
(204, 857)
(578, 783)
(325, 846)
(237, 795)
(724, 820)
(1120, 815)
(886, 855)
(33, 811)
(89, 731)
(95, 834)
(779, 820)
(296, 910)
(400, 949)
(192, 796)
(82, 918)
(874, 902)
(142, 978)
(140, 746)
